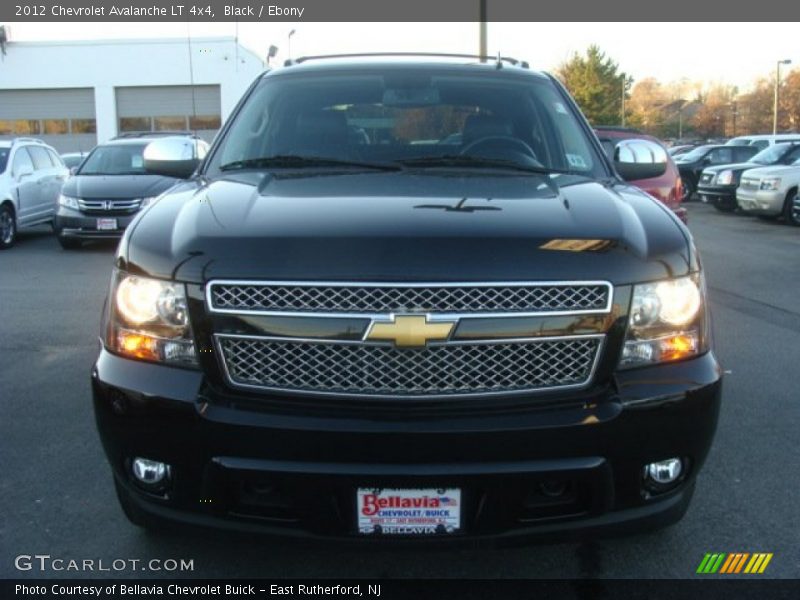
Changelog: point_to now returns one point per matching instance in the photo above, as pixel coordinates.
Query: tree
(595, 83)
(711, 119)
(790, 102)
(646, 112)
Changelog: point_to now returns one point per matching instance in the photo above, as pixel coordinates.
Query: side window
(721, 156)
(746, 153)
(792, 155)
(55, 158)
(21, 160)
(41, 160)
(760, 144)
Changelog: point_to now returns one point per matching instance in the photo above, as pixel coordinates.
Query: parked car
(691, 164)
(676, 151)
(770, 192)
(718, 184)
(764, 141)
(72, 160)
(666, 187)
(315, 337)
(31, 174)
(109, 188)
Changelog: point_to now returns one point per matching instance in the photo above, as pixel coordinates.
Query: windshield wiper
(458, 160)
(290, 161)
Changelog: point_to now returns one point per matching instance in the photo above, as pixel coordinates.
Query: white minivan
(31, 174)
(763, 141)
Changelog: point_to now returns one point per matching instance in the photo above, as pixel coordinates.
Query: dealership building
(74, 95)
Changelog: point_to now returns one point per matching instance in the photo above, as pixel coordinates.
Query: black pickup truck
(407, 298)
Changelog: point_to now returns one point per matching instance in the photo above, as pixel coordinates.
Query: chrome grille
(388, 298)
(130, 205)
(438, 370)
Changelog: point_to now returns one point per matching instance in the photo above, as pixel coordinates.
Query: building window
(84, 126)
(205, 122)
(169, 123)
(27, 127)
(55, 126)
(135, 124)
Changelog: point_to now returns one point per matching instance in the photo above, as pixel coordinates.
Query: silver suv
(31, 174)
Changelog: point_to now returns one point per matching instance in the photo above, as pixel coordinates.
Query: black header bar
(398, 11)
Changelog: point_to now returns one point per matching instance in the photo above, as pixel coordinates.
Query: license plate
(106, 224)
(408, 511)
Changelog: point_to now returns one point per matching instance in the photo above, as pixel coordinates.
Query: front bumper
(760, 202)
(223, 451)
(720, 195)
(74, 224)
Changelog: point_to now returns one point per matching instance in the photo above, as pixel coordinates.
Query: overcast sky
(735, 53)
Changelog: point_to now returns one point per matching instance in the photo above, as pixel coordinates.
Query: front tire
(69, 243)
(724, 207)
(790, 214)
(8, 227)
(688, 190)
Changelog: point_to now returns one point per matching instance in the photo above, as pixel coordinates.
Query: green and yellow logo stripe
(732, 563)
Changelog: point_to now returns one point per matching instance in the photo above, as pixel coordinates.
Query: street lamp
(777, 85)
(627, 81)
(289, 43)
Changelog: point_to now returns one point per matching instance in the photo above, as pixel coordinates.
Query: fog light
(664, 472)
(150, 472)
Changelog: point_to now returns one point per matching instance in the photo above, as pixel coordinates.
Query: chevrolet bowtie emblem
(410, 331)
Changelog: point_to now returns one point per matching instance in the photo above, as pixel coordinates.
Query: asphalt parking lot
(57, 496)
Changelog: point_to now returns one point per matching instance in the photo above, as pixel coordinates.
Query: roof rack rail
(497, 59)
(14, 139)
(139, 134)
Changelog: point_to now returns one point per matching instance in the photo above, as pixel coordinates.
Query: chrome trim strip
(218, 337)
(380, 316)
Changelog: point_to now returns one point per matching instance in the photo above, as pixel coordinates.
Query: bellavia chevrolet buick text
(407, 297)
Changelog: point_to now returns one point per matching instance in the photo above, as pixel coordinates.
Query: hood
(734, 167)
(116, 186)
(773, 171)
(406, 227)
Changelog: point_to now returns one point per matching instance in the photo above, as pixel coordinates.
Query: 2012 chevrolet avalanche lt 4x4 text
(407, 298)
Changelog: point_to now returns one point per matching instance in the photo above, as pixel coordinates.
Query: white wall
(105, 65)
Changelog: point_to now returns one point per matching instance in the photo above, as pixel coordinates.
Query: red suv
(667, 187)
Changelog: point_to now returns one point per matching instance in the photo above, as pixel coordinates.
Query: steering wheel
(510, 143)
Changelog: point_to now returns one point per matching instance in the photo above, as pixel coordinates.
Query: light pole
(289, 44)
(626, 85)
(777, 86)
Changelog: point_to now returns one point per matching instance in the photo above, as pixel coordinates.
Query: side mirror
(24, 171)
(73, 170)
(640, 159)
(172, 156)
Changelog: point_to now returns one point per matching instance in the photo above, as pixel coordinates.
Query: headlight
(149, 320)
(148, 201)
(725, 177)
(666, 322)
(68, 202)
(770, 184)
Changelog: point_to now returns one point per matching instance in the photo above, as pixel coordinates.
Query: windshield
(695, 154)
(115, 159)
(772, 155)
(412, 118)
